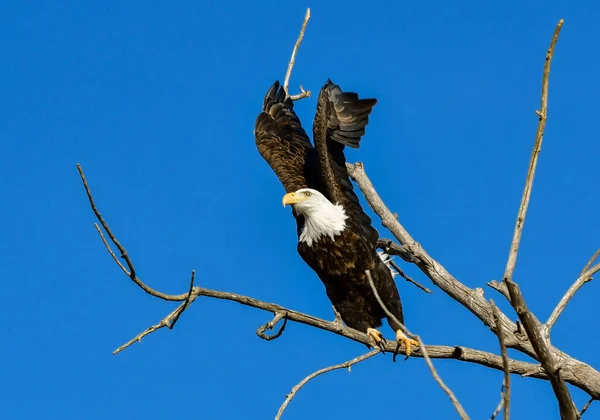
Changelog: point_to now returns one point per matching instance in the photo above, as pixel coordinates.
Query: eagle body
(346, 283)
(335, 236)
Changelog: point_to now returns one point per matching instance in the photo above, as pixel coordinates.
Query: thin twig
(459, 408)
(165, 322)
(303, 382)
(288, 74)
(585, 277)
(408, 278)
(591, 261)
(531, 324)
(542, 115)
(461, 411)
(186, 304)
(303, 94)
(270, 325)
(109, 249)
(336, 314)
(505, 362)
(586, 406)
(499, 407)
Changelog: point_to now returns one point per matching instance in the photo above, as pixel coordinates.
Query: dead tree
(527, 334)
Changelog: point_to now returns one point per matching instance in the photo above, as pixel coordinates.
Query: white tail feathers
(386, 260)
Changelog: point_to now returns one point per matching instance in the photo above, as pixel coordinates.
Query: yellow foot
(377, 337)
(401, 338)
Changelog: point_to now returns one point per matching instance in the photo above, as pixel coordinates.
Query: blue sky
(157, 101)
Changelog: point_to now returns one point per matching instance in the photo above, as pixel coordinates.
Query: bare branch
(575, 375)
(131, 272)
(585, 277)
(542, 114)
(505, 362)
(408, 278)
(270, 325)
(165, 322)
(303, 382)
(530, 322)
(459, 408)
(288, 74)
(303, 94)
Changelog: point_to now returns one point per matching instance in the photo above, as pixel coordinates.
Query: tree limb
(286, 81)
(303, 382)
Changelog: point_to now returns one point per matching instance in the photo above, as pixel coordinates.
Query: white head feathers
(321, 216)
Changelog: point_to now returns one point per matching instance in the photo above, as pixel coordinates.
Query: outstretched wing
(340, 121)
(282, 141)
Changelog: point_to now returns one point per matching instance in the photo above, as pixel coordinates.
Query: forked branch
(532, 326)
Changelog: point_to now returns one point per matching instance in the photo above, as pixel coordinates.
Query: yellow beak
(291, 198)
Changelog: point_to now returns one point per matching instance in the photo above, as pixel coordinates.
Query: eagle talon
(401, 338)
(378, 338)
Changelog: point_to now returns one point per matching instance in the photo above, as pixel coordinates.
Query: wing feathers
(282, 141)
(348, 115)
(340, 121)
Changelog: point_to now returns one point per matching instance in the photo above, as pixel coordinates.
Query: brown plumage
(336, 238)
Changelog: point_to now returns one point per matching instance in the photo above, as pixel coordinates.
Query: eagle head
(306, 201)
(322, 217)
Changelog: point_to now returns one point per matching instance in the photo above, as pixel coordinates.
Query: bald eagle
(335, 236)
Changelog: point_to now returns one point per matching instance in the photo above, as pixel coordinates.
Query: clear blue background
(157, 101)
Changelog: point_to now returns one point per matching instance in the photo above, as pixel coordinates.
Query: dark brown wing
(340, 121)
(282, 141)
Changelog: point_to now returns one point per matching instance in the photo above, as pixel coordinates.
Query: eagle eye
(307, 193)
